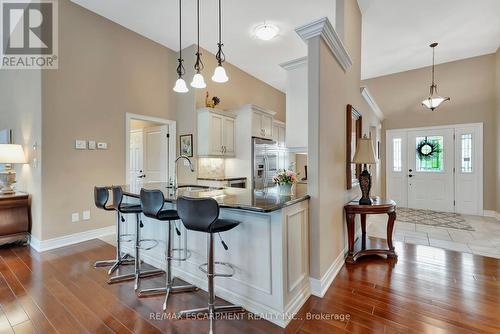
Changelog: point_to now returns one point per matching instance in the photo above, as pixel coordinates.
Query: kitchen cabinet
(215, 133)
(262, 125)
(279, 135)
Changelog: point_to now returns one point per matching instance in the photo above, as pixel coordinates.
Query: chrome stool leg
(212, 309)
(137, 274)
(169, 286)
(119, 260)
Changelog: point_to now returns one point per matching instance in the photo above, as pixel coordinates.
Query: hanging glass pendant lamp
(198, 80)
(180, 84)
(433, 101)
(220, 73)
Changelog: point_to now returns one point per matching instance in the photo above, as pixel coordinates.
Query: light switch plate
(75, 217)
(80, 144)
(92, 145)
(102, 146)
(86, 215)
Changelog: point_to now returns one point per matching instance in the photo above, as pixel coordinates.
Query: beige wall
(470, 84)
(497, 93)
(104, 72)
(327, 152)
(241, 89)
(20, 111)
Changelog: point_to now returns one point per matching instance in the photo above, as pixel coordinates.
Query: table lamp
(365, 155)
(9, 154)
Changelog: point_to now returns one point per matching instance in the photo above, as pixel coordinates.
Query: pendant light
(180, 84)
(198, 80)
(433, 101)
(220, 73)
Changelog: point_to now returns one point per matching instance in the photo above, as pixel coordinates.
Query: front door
(430, 169)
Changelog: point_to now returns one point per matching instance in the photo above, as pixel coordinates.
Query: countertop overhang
(266, 200)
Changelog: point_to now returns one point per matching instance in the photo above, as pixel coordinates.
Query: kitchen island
(269, 249)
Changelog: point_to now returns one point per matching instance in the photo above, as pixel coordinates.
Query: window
(396, 159)
(431, 158)
(466, 153)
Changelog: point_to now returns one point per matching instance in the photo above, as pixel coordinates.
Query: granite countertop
(235, 198)
(221, 178)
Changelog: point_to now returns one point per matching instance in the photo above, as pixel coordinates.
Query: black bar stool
(152, 202)
(125, 209)
(101, 198)
(202, 215)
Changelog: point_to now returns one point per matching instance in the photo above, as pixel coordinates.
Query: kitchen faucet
(175, 185)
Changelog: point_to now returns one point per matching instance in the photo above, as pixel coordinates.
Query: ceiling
(397, 33)
(158, 20)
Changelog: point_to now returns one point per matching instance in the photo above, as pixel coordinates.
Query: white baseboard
(492, 214)
(45, 245)
(320, 286)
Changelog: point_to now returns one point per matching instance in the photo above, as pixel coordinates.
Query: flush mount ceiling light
(220, 73)
(266, 31)
(198, 80)
(180, 84)
(433, 101)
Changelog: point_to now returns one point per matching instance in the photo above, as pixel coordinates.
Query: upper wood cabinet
(279, 133)
(296, 104)
(215, 133)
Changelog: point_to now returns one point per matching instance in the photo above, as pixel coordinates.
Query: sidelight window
(466, 153)
(396, 149)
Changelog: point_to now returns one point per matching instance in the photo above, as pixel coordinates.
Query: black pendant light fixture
(198, 80)
(433, 101)
(180, 84)
(220, 73)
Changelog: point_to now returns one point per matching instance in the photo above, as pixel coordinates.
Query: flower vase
(285, 189)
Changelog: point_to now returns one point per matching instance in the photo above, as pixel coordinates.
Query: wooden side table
(15, 217)
(379, 206)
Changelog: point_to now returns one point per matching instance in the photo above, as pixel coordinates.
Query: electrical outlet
(86, 215)
(75, 217)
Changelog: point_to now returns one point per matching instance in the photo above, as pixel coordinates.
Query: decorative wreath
(428, 150)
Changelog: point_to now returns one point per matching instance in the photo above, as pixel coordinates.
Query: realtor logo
(29, 34)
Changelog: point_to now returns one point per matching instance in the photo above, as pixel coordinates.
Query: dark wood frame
(351, 114)
(192, 144)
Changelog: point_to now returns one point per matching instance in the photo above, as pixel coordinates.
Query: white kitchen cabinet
(279, 133)
(296, 104)
(215, 133)
(262, 123)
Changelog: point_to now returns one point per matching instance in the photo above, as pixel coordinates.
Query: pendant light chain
(180, 68)
(198, 66)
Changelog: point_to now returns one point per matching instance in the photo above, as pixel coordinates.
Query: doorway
(436, 168)
(149, 149)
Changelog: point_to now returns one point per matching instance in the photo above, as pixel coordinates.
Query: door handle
(142, 176)
(410, 175)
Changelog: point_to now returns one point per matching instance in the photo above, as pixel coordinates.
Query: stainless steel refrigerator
(267, 159)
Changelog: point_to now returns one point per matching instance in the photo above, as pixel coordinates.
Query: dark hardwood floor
(427, 290)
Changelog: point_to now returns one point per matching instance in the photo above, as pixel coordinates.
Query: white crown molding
(324, 28)
(365, 92)
(49, 244)
(294, 63)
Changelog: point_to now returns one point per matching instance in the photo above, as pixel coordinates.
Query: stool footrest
(188, 254)
(154, 241)
(228, 265)
(123, 237)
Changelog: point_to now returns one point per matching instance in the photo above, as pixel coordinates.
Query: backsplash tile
(211, 168)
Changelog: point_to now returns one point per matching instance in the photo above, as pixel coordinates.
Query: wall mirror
(353, 134)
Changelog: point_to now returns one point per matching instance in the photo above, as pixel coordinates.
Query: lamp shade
(364, 152)
(11, 154)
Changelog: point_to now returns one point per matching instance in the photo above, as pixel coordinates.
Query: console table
(379, 206)
(15, 217)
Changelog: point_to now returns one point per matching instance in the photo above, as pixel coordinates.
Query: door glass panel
(466, 160)
(430, 158)
(396, 160)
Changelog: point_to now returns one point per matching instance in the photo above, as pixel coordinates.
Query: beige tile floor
(485, 240)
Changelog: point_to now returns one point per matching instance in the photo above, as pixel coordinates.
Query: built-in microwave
(238, 183)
